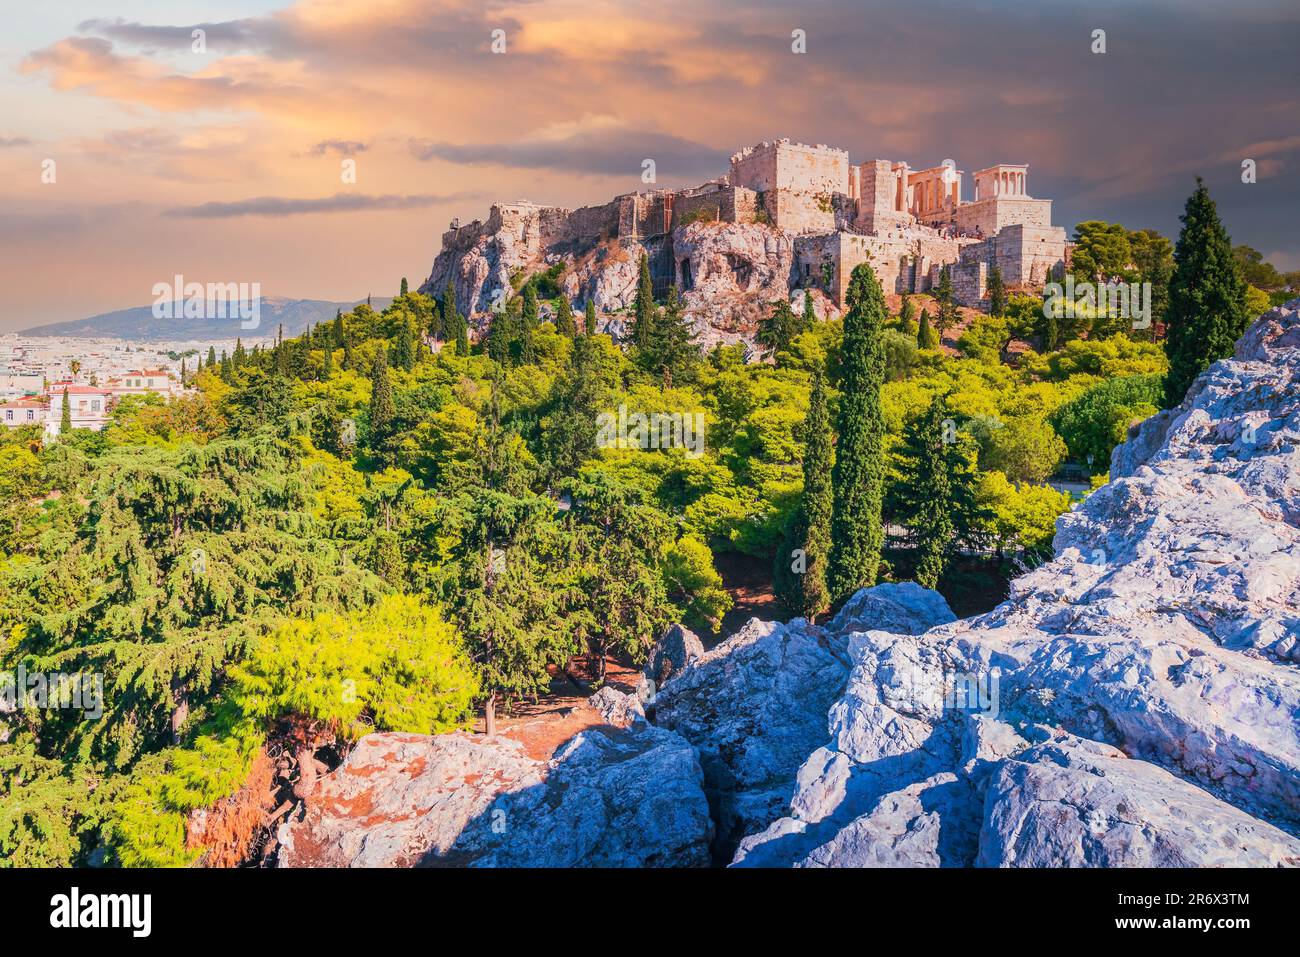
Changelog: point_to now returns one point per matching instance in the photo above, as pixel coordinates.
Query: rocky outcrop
(1147, 673)
(756, 704)
(607, 797)
(729, 273)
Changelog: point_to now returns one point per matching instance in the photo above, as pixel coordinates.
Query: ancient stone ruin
(786, 219)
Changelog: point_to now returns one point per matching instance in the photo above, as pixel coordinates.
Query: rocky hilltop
(737, 270)
(1136, 701)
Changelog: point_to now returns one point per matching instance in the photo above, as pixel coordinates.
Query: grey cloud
(6, 141)
(341, 147)
(600, 152)
(338, 203)
(248, 34)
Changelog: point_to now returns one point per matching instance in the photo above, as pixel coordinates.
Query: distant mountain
(140, 324)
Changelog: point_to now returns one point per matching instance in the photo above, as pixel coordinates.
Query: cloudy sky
(225, 165)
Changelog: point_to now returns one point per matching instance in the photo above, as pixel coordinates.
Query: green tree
(997, 291)
(778, 327)
(800, 572)
(947, 316)
(935, 496)
(528, 326)
(65, 417)
(403, 292)
(382, 411)
(590, 317)
(643, 306)
(1207, 297)
(564, 323)
(925, 337)
(1102, 251)
(671, 349)
(858, 478)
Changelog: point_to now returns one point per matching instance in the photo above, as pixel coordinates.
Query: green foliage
(800, 570)
(935, 491)
(858, 478)
(1207, 297)
(1097, 420)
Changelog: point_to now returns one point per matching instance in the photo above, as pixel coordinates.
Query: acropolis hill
(785, 218)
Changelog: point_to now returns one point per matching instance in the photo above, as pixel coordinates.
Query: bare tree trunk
(490, 714)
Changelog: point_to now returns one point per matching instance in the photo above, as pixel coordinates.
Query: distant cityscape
(95, 373)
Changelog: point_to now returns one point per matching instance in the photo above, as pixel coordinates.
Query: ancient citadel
(785, 217)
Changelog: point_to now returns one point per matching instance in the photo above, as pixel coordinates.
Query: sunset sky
(224, 166)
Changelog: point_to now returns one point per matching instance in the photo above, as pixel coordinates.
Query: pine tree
(800, 572)
(857, 534)
(382, 411)
(935, 494)
(671, 349)
(997, 291)
(644, 306)
(564, 323)
(925, 337)
(65, 420)
(777, 329)
(1207, 297)
(590, 317)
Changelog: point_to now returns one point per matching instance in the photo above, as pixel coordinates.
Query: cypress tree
(644, 305)
(212, 356)
(183, 375)
(382, 410)
(809, 314)
(528, 326)
(1207, 297)
(947, 304)
(461, 329)
(801, 565)
(498, 337)
(564, 323)
(65, 420)
(935, 496)
(857, 534)
(404, 286)
(241, 354)
(327, 365)
(925, 337)
(449, 307)
(590, 318)
(997, 293)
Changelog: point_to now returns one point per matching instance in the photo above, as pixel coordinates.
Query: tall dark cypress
(644, 306)
(589, 316)
(1207, 297)
(382, 410)
(564, 323)
(997, 290)
(857, 534)
(801, 564)
(528, 326)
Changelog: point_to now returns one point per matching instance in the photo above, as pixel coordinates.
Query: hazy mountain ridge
(138, 323)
